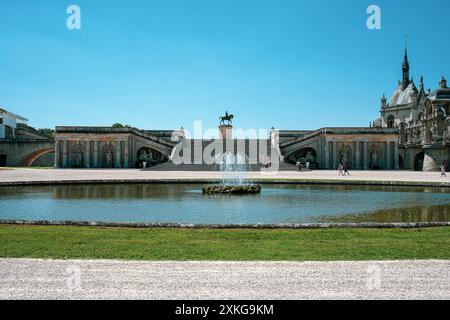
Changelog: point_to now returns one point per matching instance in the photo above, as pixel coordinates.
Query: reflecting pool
(185, 203)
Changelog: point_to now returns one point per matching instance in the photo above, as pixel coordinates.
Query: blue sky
(164, 64)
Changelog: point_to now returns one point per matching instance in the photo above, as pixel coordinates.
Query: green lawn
(234, 244)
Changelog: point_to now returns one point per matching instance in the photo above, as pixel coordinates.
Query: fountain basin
(232, 189)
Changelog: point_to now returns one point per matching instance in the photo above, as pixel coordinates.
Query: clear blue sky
(163, 64)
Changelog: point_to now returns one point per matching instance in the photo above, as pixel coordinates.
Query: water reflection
(413, 214)
(184, 203)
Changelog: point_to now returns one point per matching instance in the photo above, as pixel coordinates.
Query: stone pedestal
(226, 132)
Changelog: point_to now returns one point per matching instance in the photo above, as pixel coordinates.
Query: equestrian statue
(227, 118)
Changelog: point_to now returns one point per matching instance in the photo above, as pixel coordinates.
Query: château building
(422, 119)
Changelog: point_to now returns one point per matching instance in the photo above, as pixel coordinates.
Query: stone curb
(412, 225)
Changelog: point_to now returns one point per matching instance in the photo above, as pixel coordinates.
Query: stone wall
(107, 147)
(360, 148)
(23, 153)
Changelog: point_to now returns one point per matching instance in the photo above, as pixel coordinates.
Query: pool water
(185, 203)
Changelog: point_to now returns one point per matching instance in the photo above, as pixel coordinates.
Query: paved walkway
(54, 279)
(67, 175)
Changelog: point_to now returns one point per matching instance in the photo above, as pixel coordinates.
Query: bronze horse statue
(227, 117)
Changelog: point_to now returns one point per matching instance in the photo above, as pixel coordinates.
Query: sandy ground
(82, 279)
(36, 175)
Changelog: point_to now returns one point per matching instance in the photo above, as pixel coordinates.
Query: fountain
(234, 168)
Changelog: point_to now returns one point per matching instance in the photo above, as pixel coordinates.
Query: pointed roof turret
(405, 69)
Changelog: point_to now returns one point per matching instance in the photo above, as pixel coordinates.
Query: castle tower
(383, 103)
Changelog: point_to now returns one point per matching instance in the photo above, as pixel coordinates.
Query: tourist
(341, 168)
(346, 172)
(443, 174)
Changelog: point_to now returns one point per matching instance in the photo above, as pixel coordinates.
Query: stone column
(388, 155)
(366, 155)
(57, 154)
(396, 164)
(326, 160)
(127, 154)
(117, 156)
(88, 154)
(96, 155)
(357, 156)
(65, 154)
(334, 164)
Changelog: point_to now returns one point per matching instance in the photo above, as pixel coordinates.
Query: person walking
(341, 169)
(346, 172)
(443, 174)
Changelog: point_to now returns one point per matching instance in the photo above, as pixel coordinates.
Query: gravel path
(45, 175)
(54, 279)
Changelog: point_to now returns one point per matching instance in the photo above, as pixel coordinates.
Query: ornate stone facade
(358, 148)
(423, 122)
(107, 147)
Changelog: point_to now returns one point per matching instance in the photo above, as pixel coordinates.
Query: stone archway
(150, 156)
(28, 160)
(305, 155)
(418, 161)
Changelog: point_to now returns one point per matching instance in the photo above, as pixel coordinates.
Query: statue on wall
(310, 157)
(306, 158)
(78, 159)
(375, 156)
(149, 157)
(108, 159)
(346, 155)
(77, 155)
(108, 156)
(446, 137)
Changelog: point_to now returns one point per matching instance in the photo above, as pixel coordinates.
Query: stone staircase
(259, 151)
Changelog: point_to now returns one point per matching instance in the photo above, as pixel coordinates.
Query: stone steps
(169, 166)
